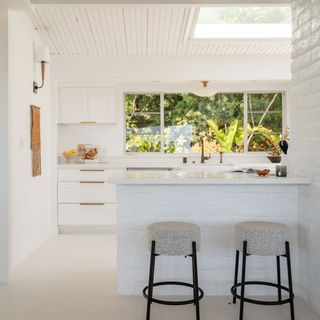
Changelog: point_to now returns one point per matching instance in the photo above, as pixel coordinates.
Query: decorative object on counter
(262, 238)
(35, 141)
(281, 171)
(274, 158)
(71, 156)
(276, 148)
(274, 153)
(283, 144)
(88, 153)
(173, 238)
(263, 173)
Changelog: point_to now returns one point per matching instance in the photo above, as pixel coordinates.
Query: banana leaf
(225, 138)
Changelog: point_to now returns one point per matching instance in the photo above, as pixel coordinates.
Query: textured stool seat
(263, 238)
(174, 238)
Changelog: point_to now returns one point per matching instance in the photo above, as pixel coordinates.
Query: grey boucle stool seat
(174, 238)
(263, 238)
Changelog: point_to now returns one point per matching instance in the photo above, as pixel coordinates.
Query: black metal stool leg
(290, 280)
(236, 271)
(279, 278)
(195, 279)
(243, 278)
(151, 279)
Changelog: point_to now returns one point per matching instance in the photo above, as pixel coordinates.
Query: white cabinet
(86, 198)
(87, 214)
(86, 105)
(85, 174)
(86, 192)
(72, 105)
(101, 105)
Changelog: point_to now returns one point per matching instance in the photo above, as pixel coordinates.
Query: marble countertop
(202, 177)
(97, 165)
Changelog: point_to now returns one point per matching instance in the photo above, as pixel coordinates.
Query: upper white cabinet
(83, 105)
(101, 105)
(72, 105)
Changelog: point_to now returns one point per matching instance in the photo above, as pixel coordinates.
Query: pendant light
(205, 90)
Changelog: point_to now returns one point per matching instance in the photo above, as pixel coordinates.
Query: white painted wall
(4, 142)
(305, 141)
(31, 197)
(168, 68)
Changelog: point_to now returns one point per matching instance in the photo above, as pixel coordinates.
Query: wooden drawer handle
(91, 181)
(91, 204)
(91, 170)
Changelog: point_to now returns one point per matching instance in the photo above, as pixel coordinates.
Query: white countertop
(98, 165)
(201, 177)
(184, 167)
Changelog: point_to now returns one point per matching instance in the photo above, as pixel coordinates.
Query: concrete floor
(73, 277)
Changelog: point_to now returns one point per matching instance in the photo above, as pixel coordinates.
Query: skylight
(243, 22)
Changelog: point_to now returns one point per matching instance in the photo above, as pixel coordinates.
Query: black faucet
(203, 157)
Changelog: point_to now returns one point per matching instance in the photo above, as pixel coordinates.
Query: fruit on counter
(70, 152)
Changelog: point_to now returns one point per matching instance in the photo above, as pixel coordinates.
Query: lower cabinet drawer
(87, 214)
(86, 191)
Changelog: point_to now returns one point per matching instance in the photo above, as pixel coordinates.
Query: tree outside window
(185, 120)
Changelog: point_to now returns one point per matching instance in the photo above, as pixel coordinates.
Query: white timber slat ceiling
(136, 30)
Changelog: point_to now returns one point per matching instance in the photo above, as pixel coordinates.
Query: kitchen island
(216, 201)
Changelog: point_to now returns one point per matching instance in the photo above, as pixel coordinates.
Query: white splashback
(107, 137)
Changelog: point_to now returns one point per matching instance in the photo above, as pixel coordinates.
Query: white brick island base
(216, 209)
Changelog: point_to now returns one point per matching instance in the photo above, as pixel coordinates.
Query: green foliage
(226, 138)
(139, 143)
(189, 118)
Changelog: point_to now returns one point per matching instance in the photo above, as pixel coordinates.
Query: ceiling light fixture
(205, 90)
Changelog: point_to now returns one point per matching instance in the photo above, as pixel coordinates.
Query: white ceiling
(136, 30)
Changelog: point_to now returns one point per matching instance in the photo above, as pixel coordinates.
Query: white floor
(74, 277)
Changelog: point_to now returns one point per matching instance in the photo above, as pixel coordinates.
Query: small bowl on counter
(263, 172)
(71, 156)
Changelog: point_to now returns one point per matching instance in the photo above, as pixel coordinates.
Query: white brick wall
(216, 209)
(305, 141)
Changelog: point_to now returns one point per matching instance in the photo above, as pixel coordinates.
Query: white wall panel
(305, 141)
(4, 140)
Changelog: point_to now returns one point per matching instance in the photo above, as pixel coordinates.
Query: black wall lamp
(42, 56)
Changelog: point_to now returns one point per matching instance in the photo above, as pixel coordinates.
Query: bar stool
(262, 239)
(174, 239)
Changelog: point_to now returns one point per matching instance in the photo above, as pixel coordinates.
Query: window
(243, 22)
(264, 120)
(143, 123)
(175, 122)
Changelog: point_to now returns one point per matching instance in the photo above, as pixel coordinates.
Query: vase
(70, 158)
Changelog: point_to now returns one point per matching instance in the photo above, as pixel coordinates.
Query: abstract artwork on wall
(35, 141)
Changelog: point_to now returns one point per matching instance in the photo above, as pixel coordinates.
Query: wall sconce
(42, 56)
